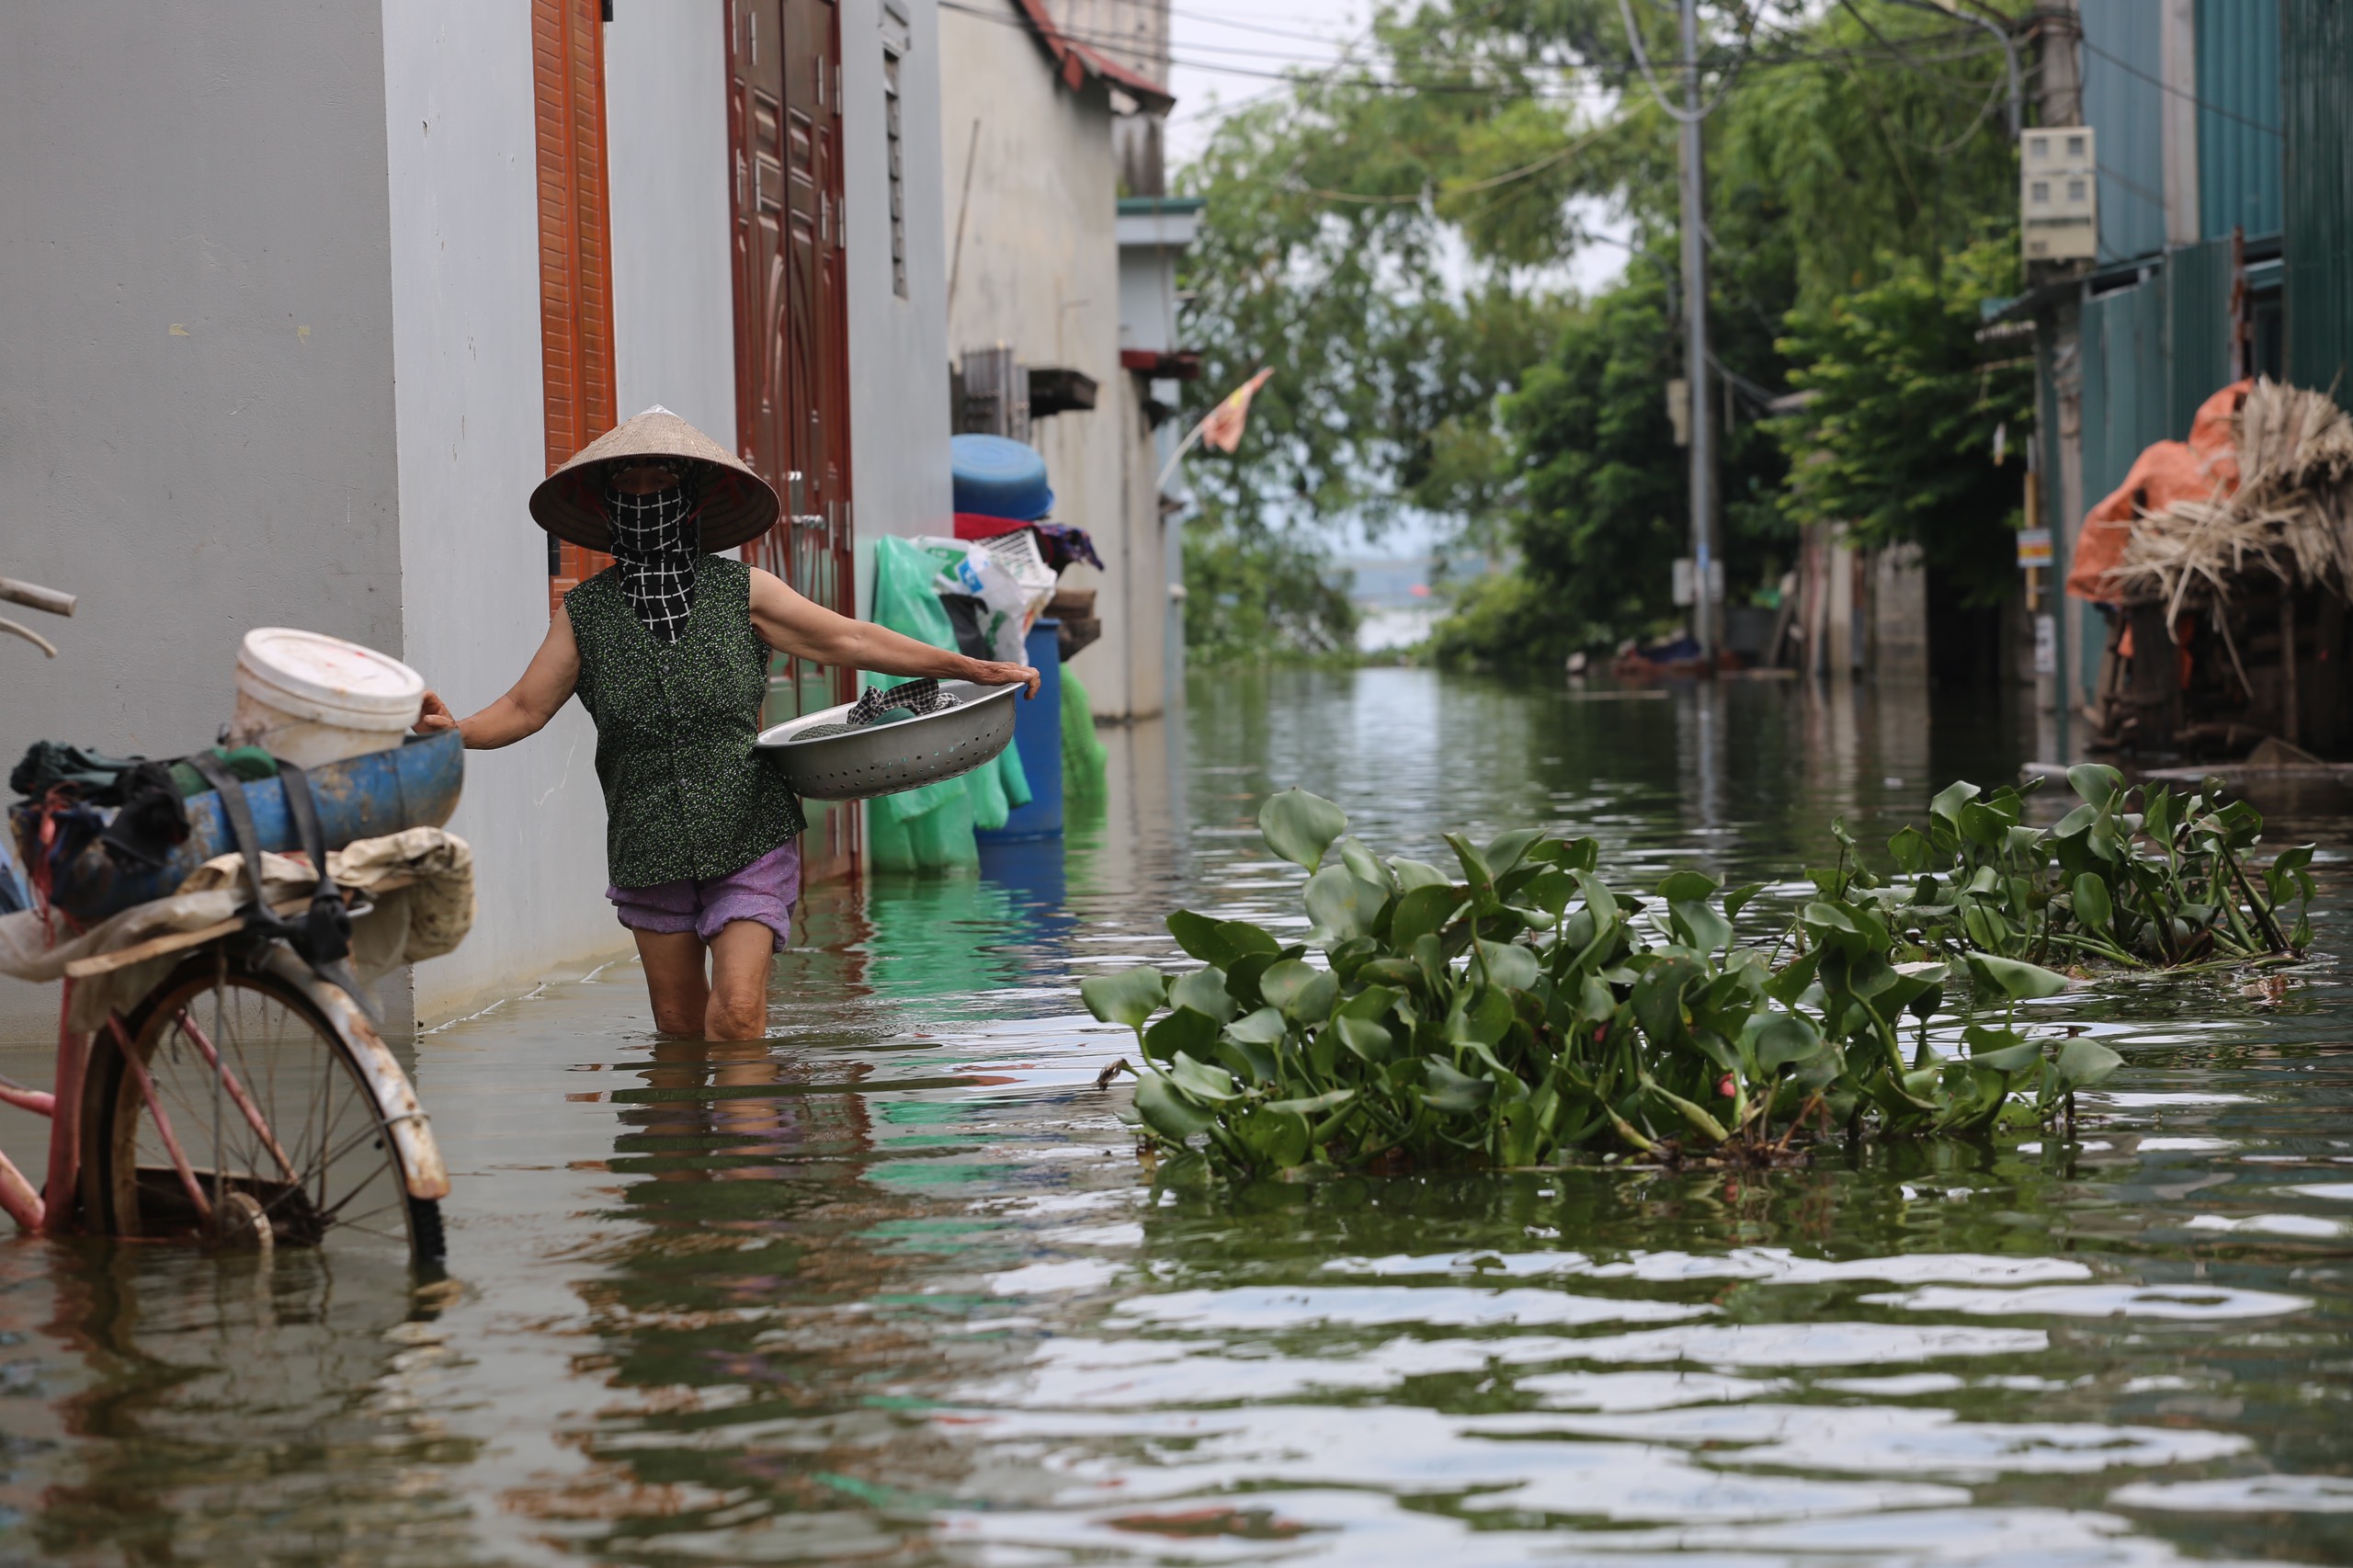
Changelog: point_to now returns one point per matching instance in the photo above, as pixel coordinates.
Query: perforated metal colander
(825, 757)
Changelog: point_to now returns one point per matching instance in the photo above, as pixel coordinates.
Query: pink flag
(1223, 428)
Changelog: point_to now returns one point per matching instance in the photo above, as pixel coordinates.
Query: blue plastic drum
(412, 785)
(999, 478)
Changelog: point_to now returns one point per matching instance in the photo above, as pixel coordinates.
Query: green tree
(1256, 593)
(1899, 432)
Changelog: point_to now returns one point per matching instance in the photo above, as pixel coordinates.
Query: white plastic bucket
(312, 699)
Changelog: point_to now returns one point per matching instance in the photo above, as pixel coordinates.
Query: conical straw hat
(737, 505)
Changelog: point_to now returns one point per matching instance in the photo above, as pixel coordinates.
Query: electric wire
(2204, 104)
(1605, 72)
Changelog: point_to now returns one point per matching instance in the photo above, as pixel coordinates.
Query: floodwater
(892, 1287)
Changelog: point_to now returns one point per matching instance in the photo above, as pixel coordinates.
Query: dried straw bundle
(2291, 516)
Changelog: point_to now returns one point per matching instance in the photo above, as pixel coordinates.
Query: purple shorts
(764, 890)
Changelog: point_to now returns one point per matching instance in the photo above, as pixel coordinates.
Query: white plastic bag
(967, 570)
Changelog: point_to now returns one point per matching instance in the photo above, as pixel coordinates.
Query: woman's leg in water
(739, 960)
(733, 1004)
(673, 979)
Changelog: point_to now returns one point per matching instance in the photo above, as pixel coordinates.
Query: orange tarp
(2204, 468)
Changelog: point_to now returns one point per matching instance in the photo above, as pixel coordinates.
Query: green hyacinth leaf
(1299, 991)
(2014, 978)
(1454, 1091)
(1168, 1112)
(1299, 826)
(1204, 992)
(1129, 997)
(1509, 964)
(1183, 1029)
(1343, 904)
(2084, 1062)
(2092, 905)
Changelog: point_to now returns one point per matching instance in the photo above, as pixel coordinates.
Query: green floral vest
(684, 795)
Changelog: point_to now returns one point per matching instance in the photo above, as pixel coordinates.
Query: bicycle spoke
(269, 1103)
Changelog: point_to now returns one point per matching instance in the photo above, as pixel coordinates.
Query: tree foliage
(1395, 255)
(1254, 592)
(1899, 435)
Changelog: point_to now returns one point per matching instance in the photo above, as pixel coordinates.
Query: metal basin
(824, 758)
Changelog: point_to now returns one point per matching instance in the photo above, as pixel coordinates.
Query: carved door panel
(792, 356)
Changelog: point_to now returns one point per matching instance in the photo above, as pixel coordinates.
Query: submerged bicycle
(213, 1085)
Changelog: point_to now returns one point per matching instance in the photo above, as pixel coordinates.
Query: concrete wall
(899, 349)
(1039, 271)
(458, 119)
(674, 290)
(195, 398)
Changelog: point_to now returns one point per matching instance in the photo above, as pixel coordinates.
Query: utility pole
(1706, 628)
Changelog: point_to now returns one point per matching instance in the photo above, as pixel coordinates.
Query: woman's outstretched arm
(546, 687)
(791, 624)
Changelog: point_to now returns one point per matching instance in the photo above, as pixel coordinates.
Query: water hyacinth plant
(2140, 878)
(1517, 1011)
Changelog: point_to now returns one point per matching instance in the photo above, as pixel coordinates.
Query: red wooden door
(792, 319)
(575, 243)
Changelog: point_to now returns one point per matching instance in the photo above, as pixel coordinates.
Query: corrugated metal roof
(2239, 137)
(2317, 58)
(2124, 102)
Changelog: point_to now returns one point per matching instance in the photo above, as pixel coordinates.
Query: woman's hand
(791, 624)
(435, 716)
(546, 686)
(989, 672)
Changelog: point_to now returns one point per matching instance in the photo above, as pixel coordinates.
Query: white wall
(196, 399)
(458, 119)
(1039, 271)
(899, 350)
(666, 135)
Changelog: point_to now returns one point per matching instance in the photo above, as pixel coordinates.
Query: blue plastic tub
(1038, 736)
(412, 784)
(998, 477)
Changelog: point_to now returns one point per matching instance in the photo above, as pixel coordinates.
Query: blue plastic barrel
(1038, 736)
(412, 784)
(998, 477)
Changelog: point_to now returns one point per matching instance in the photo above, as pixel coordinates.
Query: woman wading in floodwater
(668, 651)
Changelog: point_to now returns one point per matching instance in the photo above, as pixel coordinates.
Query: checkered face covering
(656, 539)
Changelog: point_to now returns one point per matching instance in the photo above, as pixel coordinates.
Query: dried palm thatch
(2291, 516)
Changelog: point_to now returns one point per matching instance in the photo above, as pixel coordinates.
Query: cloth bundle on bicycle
(418, 889)
(101, 780)
(64, 843)
(72, 784)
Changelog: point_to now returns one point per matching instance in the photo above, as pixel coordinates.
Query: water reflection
(891, 1287)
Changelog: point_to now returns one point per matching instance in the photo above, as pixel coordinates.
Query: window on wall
(898, 175)
(575, 247)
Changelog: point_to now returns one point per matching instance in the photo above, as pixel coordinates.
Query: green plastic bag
(1084, 779)
(930, 829)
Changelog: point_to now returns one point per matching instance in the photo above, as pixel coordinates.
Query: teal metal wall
(2239, 137)
(2126, 404)
(2122, 340)
(2317, 79)
(2123, 102)
(2197, 281)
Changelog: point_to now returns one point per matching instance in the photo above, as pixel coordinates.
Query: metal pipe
(18, 1197)
(189, 1183)
(65, 1131)
(34, 596)
(243, 1101)
(1695, 317)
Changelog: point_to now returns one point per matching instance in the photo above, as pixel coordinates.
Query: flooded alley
(890, 1286)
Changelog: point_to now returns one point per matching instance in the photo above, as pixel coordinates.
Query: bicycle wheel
(291, 1146)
